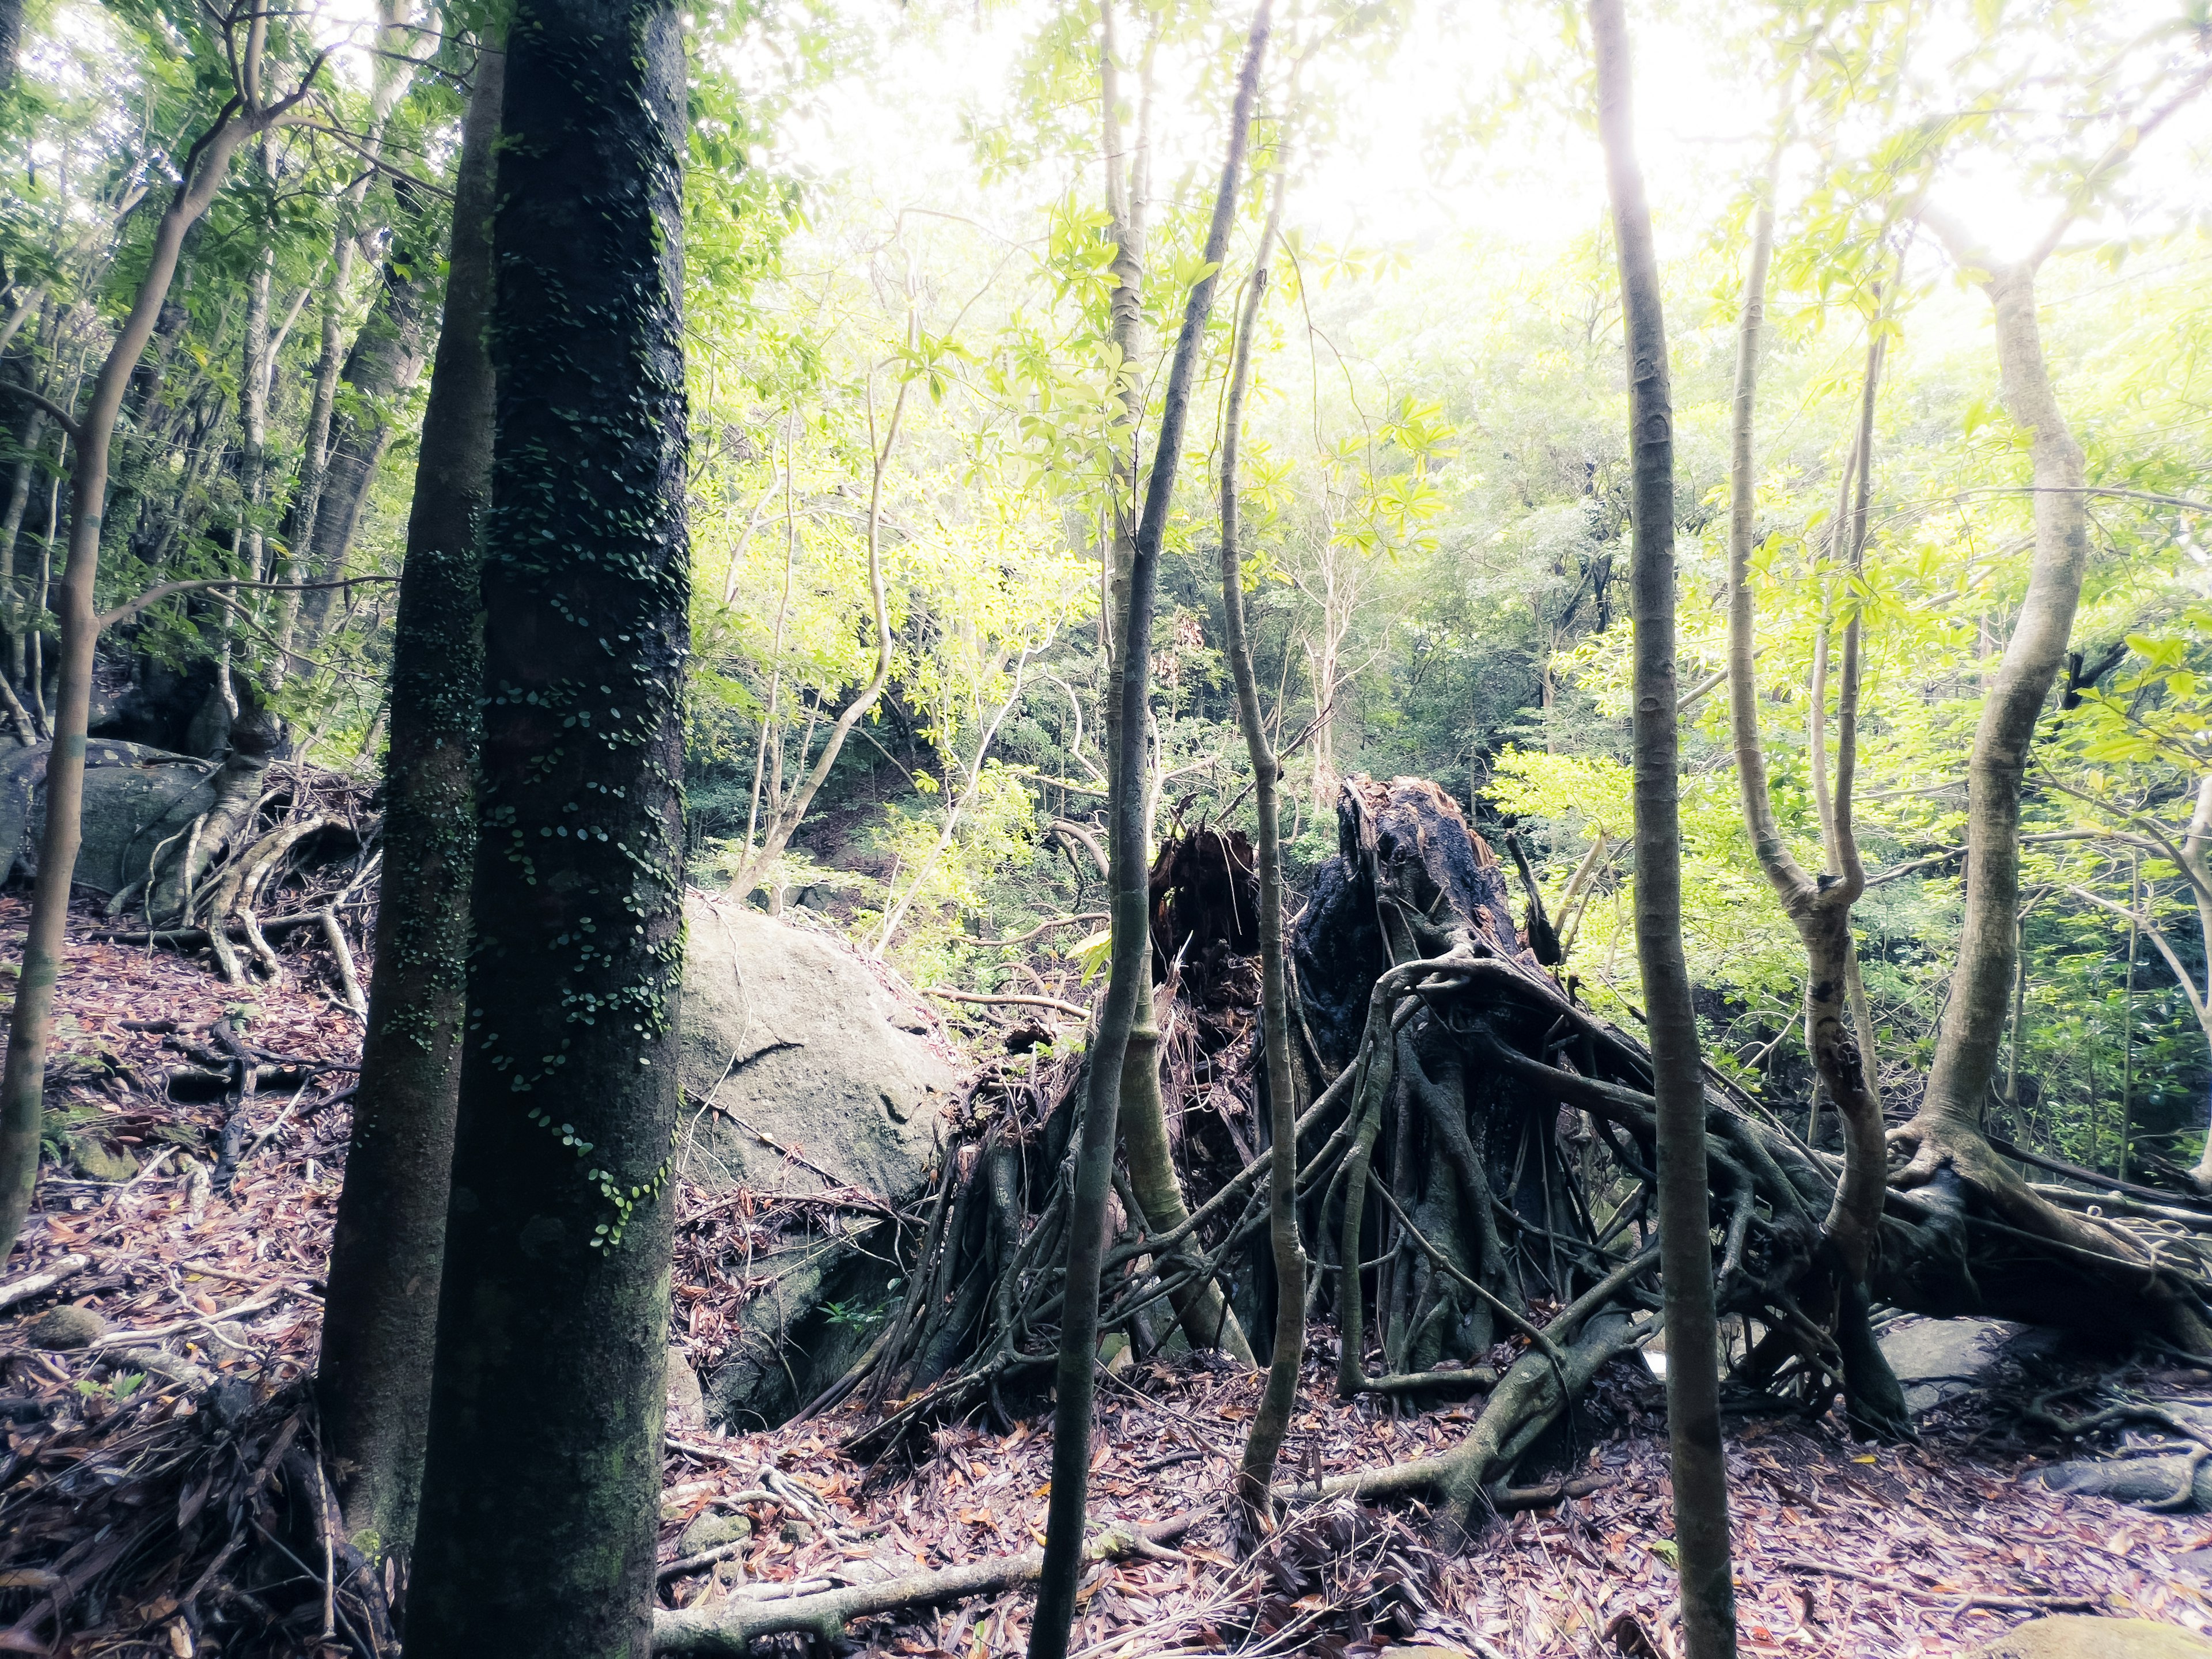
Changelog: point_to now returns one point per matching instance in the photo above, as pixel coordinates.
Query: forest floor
(208, 1311)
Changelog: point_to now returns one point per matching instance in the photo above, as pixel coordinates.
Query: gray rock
(21, 772)
(795, 1531)
(711, 1531)
(2153, 1480)
(2081, 1636)
(795, 1034)
(135, 797)
(687, 1407)
(66, 1328)
(1938, 1359)
(822, 1306)
(799, 1041)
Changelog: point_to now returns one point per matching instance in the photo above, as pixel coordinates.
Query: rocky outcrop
(135, 797)
(807, 1069)
(808, 1066)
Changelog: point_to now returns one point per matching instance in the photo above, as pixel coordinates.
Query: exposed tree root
(732, 1623)
(1508, 1134)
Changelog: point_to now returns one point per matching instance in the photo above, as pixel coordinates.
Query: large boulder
(135, 798)
(814, 1064)
(807, 1069)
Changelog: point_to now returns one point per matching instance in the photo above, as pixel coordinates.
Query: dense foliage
(905, 472)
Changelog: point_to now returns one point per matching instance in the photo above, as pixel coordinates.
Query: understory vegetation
(1472, 700)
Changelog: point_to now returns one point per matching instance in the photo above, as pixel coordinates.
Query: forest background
(905, 389)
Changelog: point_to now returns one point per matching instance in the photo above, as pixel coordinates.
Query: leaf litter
(161, 1492)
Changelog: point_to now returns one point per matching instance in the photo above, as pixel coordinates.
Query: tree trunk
(22, 1090)
(1821, 910)
(1132, 927)
(380, 1321)
(1947, 1134)
(1693, 1427)
(385, 360)
(1271, 1422)
(1200, 1309)
(542, 1478)
(14, 614)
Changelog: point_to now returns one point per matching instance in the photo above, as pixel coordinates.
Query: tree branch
(55, 412)
(154, 596)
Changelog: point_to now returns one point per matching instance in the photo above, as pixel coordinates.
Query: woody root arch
(1480, 1146)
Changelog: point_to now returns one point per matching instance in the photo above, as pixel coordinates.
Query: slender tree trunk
(21, 1099)
(542, 1479)
(1820, 909)
(786, 818)
(1132, 944)
(380, 1321)
(13, 611)
(382, 366)
(253, 413)
(1693, 1427)
(388, 80)
(1200, 1309)
(1271, 1423)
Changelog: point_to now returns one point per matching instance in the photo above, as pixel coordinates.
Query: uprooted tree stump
(1480, 1144)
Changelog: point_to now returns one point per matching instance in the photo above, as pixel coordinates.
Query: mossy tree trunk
(379, 1318)
(542, 1478)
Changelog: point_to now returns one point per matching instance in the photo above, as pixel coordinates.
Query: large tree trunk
(542, 1479)
(380, 1321)
(1133, 946)
(1693, 1425)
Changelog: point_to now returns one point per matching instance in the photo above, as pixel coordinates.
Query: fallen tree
(1507, 1135)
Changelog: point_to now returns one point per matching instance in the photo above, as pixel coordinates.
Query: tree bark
(1820, 909)
(1131, 929)
(22, 1088)
(1271, 1422)
(1947, 1134)
(542, 1478)
(383, 365)
(380, 1320)
(1200, 1309)
(1700, 1472)
(388, 79)
(14, 614)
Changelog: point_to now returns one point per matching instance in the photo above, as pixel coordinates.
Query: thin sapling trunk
(92, 434)
(1271, 1423)
(1131, 931)
(1693, 1425)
